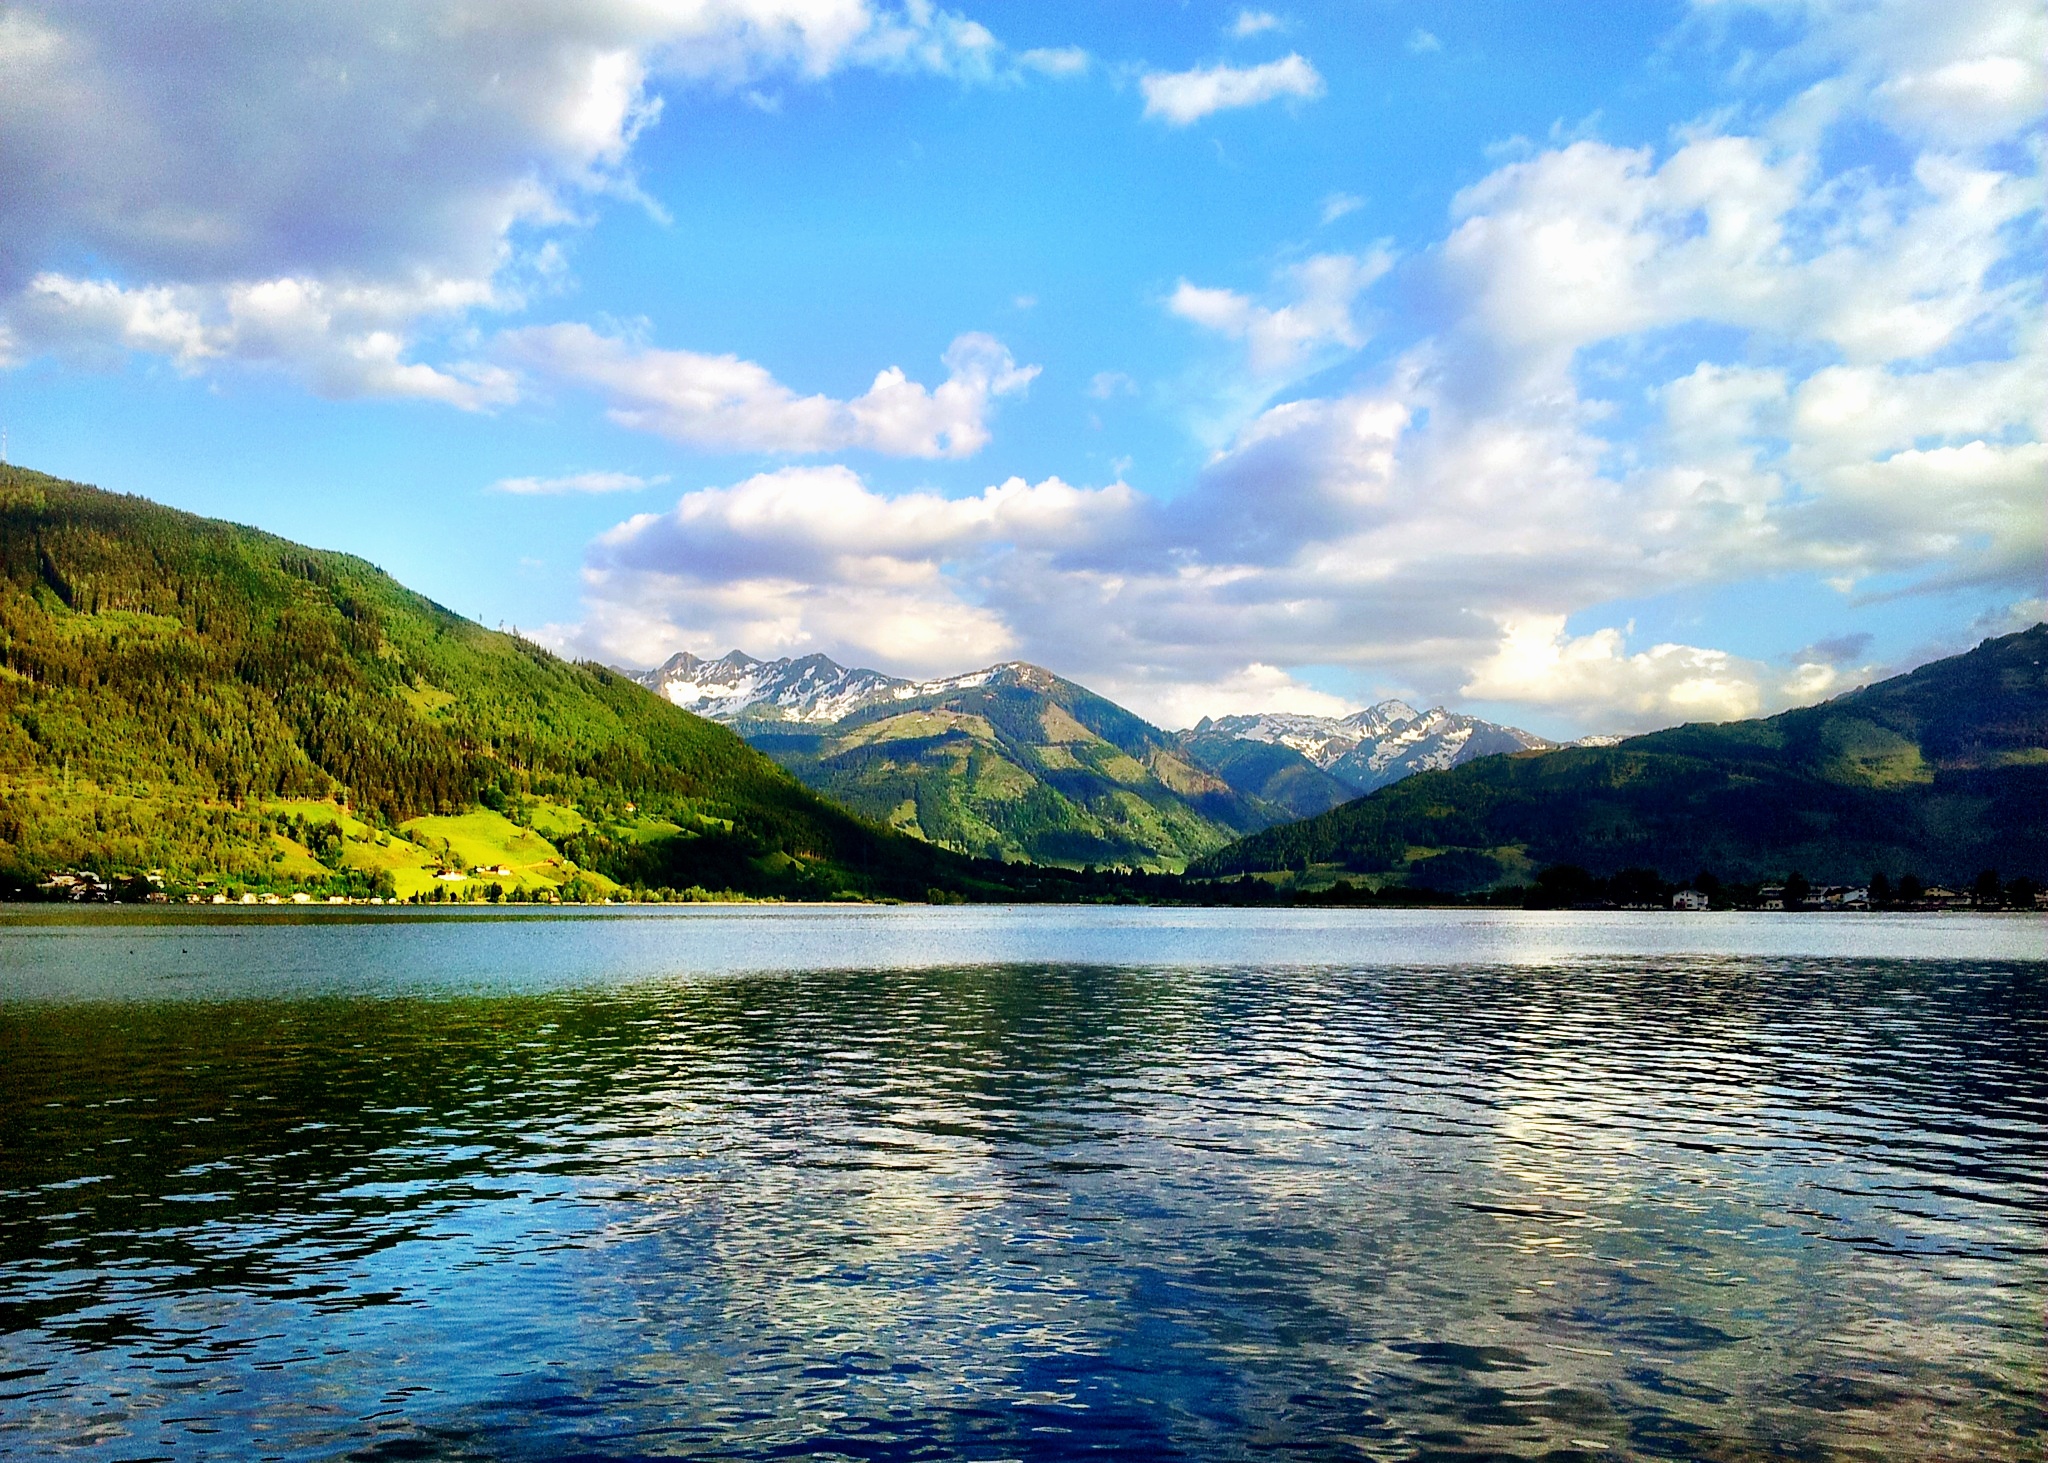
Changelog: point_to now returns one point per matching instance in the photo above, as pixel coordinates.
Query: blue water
(1023, 1184)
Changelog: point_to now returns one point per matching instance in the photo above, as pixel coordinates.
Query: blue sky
(1591, 367)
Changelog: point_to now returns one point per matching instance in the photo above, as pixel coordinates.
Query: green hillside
(222, 705)
(1943, 772)
(1020, 764)
(1268, 771)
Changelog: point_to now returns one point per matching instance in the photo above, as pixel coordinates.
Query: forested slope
(1943, 771)
(1017, 763)
(164, 678)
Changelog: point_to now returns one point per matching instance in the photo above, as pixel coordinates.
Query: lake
(1022, 1184)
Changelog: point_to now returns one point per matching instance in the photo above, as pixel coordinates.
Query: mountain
(1010, 762)
(1941, 772)
(1270, 771)
(1013, 762)
(1334, 759)
(218, 704)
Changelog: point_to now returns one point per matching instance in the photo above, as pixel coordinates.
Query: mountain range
(1013, 761)
(1356, 754)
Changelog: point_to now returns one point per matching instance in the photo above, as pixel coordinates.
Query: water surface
(1023, 1184)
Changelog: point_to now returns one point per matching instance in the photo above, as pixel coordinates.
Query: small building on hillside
(1690, 899)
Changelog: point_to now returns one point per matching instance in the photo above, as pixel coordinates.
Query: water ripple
(1737, 1207)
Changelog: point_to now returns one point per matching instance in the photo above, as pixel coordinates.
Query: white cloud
(1104, 385)
(810, 518)
(1278, 339)
(1254, 22)
(725, 403)
(1590, 242)
(577, 482)
(386, 160)
(1183, 97)
(1337, 205)
(1596, 678)
(1422, 42)
(1945, 73)
(1243, 691)
(344, 340)
(1537, 664)
(811, 558)
(1055, 60)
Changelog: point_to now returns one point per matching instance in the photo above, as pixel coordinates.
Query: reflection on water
(1693, 1207)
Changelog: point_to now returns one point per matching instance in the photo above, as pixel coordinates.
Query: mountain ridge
(1941, 771)
(211, 700)
(1016, 762)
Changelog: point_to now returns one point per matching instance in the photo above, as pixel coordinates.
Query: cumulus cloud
(1595, 677)
(725, 403)
(811, 558)
(1952, 75)
(345, 340)
(374, 171)
(577, 482)
(1280, 338)
(1180, 98)
(1254, 22)
(1242, 691)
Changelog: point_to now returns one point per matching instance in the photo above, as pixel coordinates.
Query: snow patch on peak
(1381, 744)
(1378, 720)
(812, 690)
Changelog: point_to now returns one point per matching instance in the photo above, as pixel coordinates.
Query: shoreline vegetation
(418, 865)
(196, 712)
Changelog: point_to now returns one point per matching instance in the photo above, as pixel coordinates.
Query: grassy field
(491, 849)
(421, 854)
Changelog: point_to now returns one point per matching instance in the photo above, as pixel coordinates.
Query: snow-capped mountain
(1007, 762)
(813, 690)
(1302, 764)
(1371, 748)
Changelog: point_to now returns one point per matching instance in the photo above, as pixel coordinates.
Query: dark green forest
(1942, 772)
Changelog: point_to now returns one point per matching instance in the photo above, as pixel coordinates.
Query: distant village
(1908, 895)
(88, 886)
